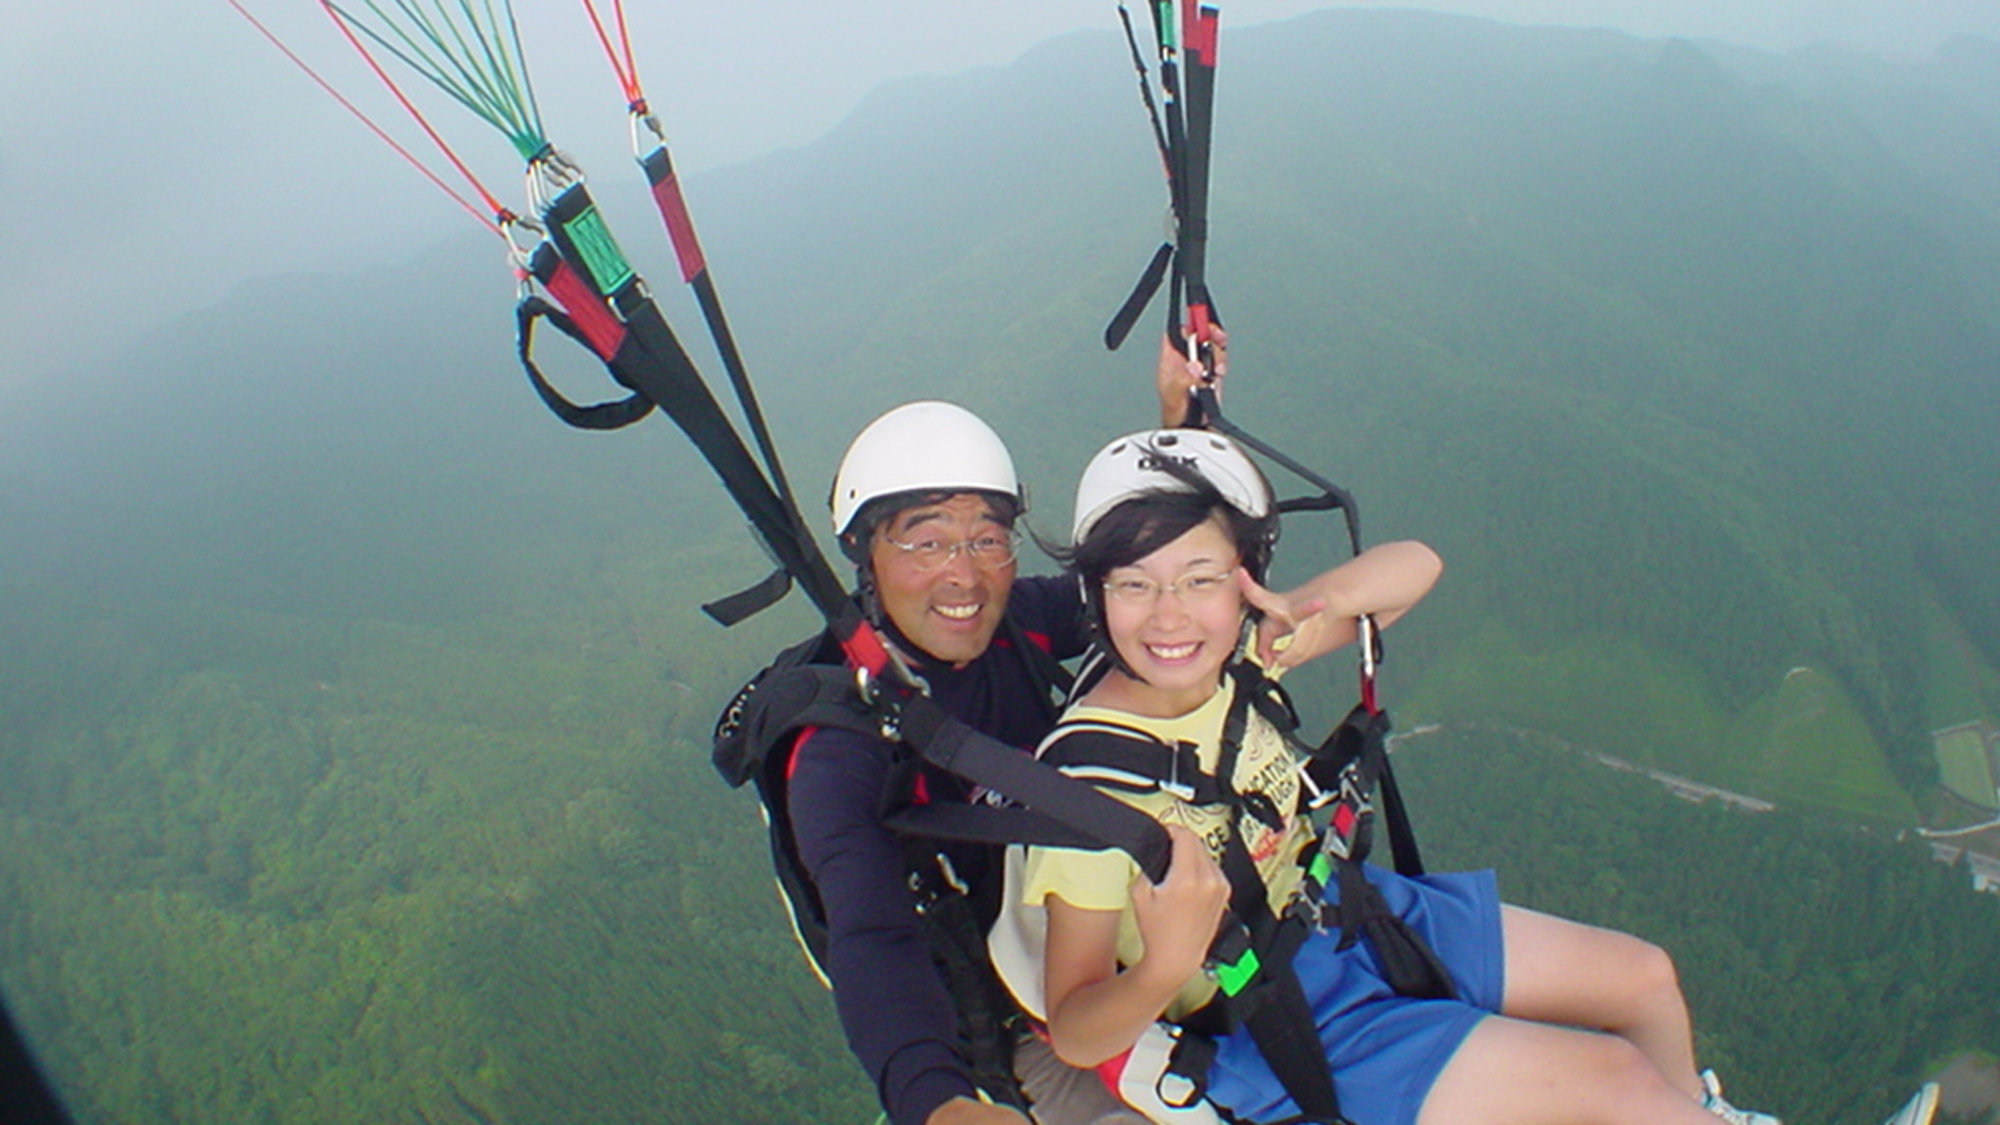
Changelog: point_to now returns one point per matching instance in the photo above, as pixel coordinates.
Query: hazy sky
(153, 155)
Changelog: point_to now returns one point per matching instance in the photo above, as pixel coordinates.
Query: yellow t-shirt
(1102, 880)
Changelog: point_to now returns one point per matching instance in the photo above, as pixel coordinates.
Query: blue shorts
(1386, 1049)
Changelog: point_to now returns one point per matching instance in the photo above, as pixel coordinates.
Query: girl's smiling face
(1175, 617)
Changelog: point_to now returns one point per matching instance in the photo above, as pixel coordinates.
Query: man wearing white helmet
(925, 504)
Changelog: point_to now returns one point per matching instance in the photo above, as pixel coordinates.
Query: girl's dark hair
(1149, 520)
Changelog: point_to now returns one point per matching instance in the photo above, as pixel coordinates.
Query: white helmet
(1130, 466)
(921, 447)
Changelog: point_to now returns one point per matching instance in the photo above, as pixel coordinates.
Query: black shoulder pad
(798, 689)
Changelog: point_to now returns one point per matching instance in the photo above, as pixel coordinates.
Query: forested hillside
(352, 711)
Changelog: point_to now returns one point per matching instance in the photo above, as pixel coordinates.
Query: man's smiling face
(952, 610)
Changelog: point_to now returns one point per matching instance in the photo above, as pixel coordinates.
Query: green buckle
(1235, 977)
(1321, 869)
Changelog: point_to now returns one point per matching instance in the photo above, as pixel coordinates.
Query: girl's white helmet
(1130, 466)
(921, 447)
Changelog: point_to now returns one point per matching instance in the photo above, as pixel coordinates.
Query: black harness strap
(1118, 757)
(1198, 58)
(1351, 764)
(987, 824)
(956, 748)
(583, 269)
(1268, 1000)
(1408, 963)
(988, 1018)
(1055, 810)
(597, 416)
(1396, 815)
(665, 184)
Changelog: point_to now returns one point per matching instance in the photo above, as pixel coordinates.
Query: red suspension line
(486, 218)
(621, 61)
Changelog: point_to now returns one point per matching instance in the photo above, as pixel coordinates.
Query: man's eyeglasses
(1191, 588)
(989, 551)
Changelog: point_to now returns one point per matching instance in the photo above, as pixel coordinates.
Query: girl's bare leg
(1516, 1072)
(1567, 973)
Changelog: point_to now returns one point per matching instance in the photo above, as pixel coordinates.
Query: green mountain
(337, 676)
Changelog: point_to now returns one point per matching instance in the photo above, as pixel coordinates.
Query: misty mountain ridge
(1674, 350)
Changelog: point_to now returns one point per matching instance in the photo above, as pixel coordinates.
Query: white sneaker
(1711, 1100)
(1918, 1110)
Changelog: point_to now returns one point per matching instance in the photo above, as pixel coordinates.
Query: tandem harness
(1252, 955)
(809, 688)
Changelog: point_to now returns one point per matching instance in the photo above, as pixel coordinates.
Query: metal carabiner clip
(640, 116)
(523, 236)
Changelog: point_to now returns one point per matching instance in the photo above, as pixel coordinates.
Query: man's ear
(855, 550)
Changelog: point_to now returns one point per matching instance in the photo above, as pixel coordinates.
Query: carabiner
(640, 116)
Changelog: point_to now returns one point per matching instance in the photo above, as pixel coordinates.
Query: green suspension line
(473, 54)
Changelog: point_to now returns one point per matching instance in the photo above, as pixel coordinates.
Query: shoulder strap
(1058, 811)
(1103, 821)
(1090, 671)
(1116, 756)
